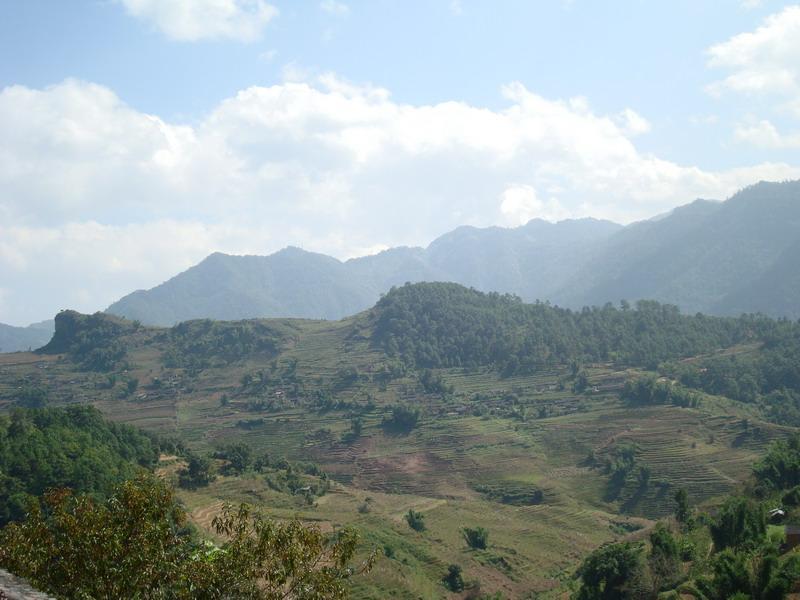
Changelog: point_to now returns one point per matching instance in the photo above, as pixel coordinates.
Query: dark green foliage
(682, 510)
(356, 427)
(197, 472)
(70, 447)
(131, 386)
(433, 383)
(581, 382)
(763, 576)
(239, 456)
(433, 325)
(792, 497)
(402, 418)
(780, 468)
(664, 558)
(345, 377)
(607, 572)
(740, 522)
(770, 376)
(31, 396)
(454, 580)
(513, 493)
(476, 537)
(415, 520)
(648, 391)
(195, 344)
(134, 546)
(90, 340)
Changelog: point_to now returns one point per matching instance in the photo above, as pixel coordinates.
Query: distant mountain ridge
(297, 283)
(741, 255)
(15, 339)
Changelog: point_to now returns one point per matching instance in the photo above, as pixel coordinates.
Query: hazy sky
(138, 136)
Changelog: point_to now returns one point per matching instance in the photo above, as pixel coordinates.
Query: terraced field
(510, 454)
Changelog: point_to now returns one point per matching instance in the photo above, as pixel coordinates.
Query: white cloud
(632, 123)
(751, 4)
(519, 204)
(765, 135)
(764, 61)
(97, 198)
(193, 20)
(332, 7)
(456, 7)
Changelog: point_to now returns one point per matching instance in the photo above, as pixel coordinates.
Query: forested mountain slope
(726, 258)
(716, 257)
(529, 260)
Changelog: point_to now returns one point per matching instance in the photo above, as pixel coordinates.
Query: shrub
(476, 538)
(454, 580)
(415, 520)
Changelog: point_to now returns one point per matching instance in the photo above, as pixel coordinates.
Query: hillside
(709, 257)
(716, 257)
(471, 409)
(16, 339)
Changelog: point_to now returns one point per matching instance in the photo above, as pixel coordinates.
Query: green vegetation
(554, 461)
(454, 580)
(477, 537)
(415, 520)
(432, 325)
(65, 447)
(133, 545)
(746, 561)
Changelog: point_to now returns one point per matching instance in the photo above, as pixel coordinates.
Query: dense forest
(70, 447)
(447, 325)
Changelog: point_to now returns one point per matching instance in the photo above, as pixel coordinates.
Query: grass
(477, 458)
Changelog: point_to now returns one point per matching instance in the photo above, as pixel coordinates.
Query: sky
(139, 136)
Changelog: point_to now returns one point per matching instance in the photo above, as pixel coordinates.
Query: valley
(524, 455)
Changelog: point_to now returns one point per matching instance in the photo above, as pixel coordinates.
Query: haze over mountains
(742, 255)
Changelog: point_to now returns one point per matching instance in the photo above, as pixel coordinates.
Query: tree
(682, 511)
(476, 538)
(664, 558)
(415, 520)
(197, 472)
(454, 580)
(133, 545)
(607, 573)
(402, 418)
(739, 522)
(238, 455)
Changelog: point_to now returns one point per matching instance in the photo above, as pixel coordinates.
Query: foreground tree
(609, 572)
(135, 545)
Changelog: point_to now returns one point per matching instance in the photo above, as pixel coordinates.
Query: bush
(415, 520)
(402, 418)
(476, 538)
(454, 580)
(740, 522)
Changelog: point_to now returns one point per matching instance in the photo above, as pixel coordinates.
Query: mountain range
(13, 339)
(741, 255)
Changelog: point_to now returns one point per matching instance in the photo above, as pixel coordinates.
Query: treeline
(431, 325)
(70, 447)
(649, 391)
(769, 375)
(195, 344)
